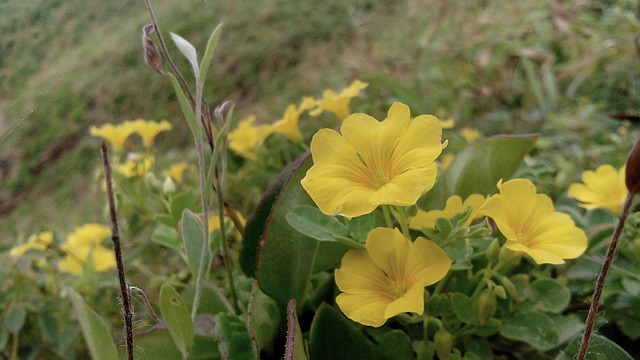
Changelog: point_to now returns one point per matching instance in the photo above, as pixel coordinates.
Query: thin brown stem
(595, 301)
(115, 237)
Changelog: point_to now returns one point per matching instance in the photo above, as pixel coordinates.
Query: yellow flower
(149, 129)
(603, 188)
(373, 163)
(136, 165)
(450, 123)
(87, 235)
(103, 259)
(36, 242)
(288, 125)
(175, 171)
(83, 241)
(114, 134)
(389, 277)
(531, 224)
(246, 136)
(453, 206)
(470, 134)
(338, 103)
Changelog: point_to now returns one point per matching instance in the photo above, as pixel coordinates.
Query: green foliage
(95, 331)
(176, 316)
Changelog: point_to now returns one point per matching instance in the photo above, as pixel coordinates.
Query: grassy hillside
(501, 66)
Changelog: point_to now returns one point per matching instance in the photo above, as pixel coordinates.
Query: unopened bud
(500, 292)
(152, 181)
(486, 306)
(632, 172)
(168, 187)
(443, 342)
(493, 251)
(151, 54)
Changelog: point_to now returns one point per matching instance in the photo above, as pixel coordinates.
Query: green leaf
(95, 331)
(185, 200)
(310, 221)
(479, 166)
(14, 319)
(232, 338)
(294, 347)
(263, 317)
(568, 327)
(600, 348)
(176, 315)
(212, 300)
(166, 236)
(334, 337)
(187, 50)
(285, 257)
(193, 238)
(208, 53)
(185, 106)
(533, 328)
(549, 295)
(463, 308)
(359, 227)
(395, 345)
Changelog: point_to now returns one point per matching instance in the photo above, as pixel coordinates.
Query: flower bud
(486, 306)
(493, 251)
(632, 172)
(152, 181)
(169, 187)
(443, 343)
(500, 292)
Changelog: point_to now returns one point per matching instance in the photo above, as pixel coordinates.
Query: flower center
(397, 289)
(380, 179)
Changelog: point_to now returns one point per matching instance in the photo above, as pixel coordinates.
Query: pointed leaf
(479, 166)
(208, 53)
(294, 347)
(188, 51)
(176, 315)
(95, 331)
(185, 106)
(334, 337)
(232, 337)
(285, 258)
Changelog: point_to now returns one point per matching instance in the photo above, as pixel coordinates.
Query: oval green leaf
(176, 315)
(95, 331)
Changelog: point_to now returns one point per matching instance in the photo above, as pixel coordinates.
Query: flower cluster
(244, 139)
(136, 164)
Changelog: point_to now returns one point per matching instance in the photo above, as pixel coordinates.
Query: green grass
(77, 64)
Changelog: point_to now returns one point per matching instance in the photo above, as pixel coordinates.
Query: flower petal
(363, 308)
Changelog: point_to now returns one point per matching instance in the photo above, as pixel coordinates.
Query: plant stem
(595, 301)
(115, 238)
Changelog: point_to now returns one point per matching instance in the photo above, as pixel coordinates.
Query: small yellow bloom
(114, 134)
(36, 242)
(470, 134)
(136, 165)
(338, 103)
(373, 163)
(87, 235)
(450, 123)
(175, 171)
(149, 129)
(83, 241)
(288, 125)
(453, 206)
(389, 277)
(246, 136)
(103, 259)
(531, 225)
(603, 188)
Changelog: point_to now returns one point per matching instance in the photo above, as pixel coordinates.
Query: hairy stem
(595, 301)
(115, 238)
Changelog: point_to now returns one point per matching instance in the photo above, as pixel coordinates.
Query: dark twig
(595, 301)
(115, 237)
